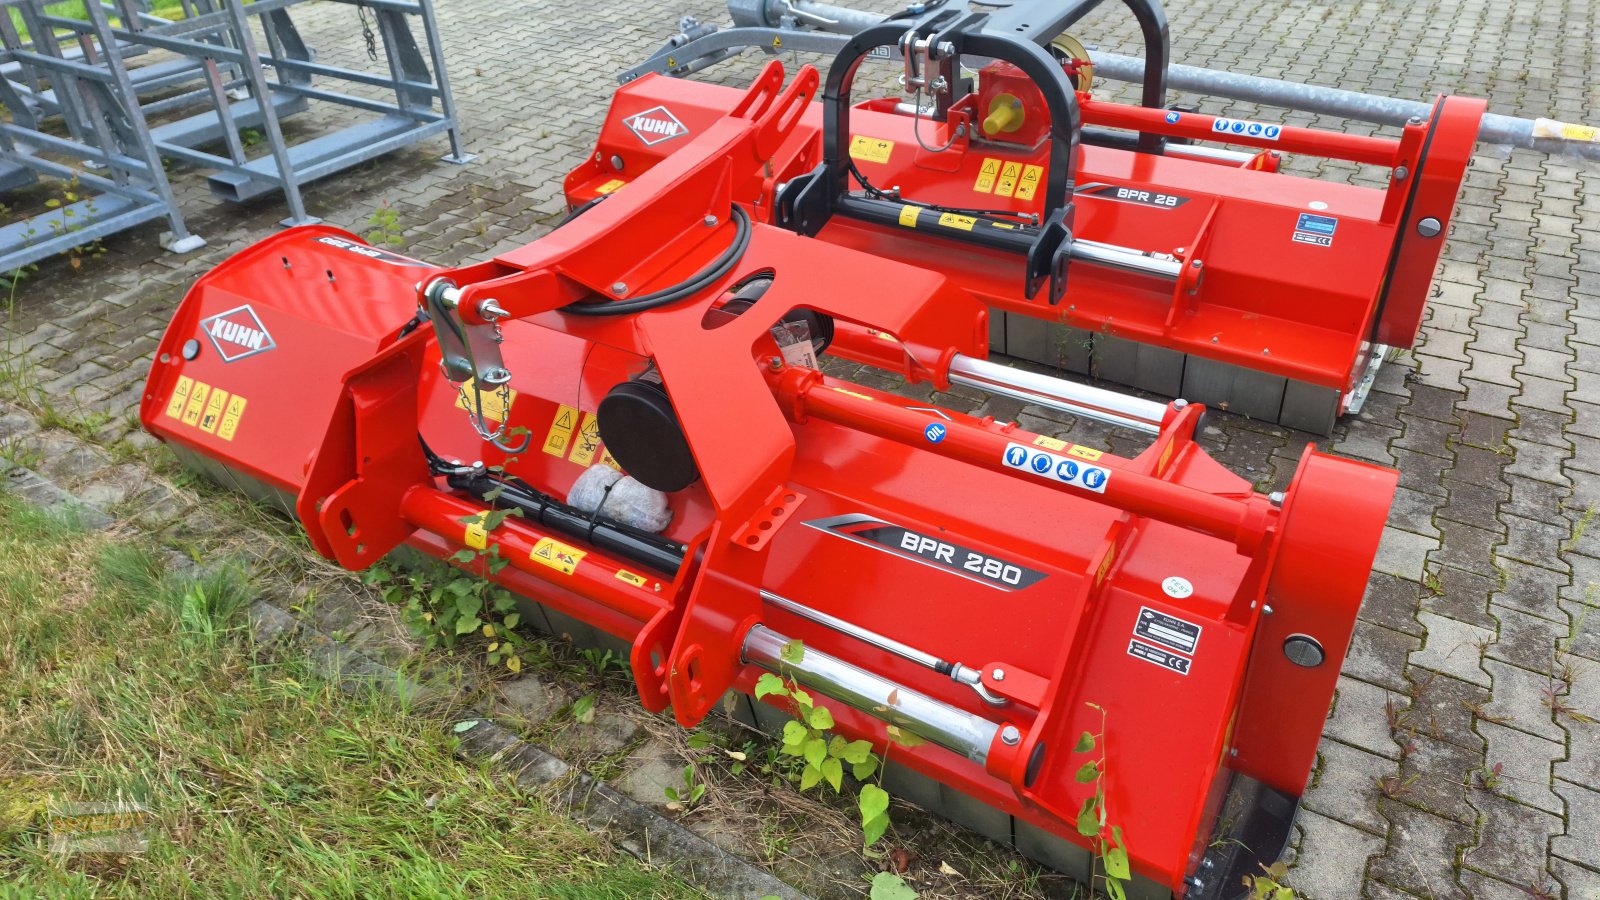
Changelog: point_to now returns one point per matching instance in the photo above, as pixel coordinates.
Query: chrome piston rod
(1055, 393)
(955, 671)
(939, 723)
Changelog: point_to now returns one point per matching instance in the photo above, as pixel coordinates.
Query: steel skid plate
(1300, 405)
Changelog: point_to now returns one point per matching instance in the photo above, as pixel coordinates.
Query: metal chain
(367, 34)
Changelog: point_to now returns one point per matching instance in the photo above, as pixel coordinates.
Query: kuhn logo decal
(237, 333)
(655, 125)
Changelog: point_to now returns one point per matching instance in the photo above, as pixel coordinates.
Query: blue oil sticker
(1050, 466)
(1173, 117)
(935, 433)
(1261, 131)
(1315, 230)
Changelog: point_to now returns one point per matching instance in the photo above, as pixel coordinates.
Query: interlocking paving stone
(1418, 841)
(1521, 700)
(1332, 857)
(1526, 760)
(1343, 791)
(1583, 824)
(1403, 553)
(1453, 648)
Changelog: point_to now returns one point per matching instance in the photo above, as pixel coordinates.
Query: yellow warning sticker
(852, 393)
(1573, 132)
(607, 460)
(1085, 453)
(213, 413)
(475, 536)
(1550, 128)
(559, 439)
(610, 186)
(564, 558)
(180, 396)
(632, 578)
(196, 404)
(1050, 443)
(871, 149)
(231, 417)
(951, 220)
(1030, 182)
(1008, 179)
(1105, 564)
(1166, 457)
(908, 215)
(986, 175)
(588, 441)
(494, 406)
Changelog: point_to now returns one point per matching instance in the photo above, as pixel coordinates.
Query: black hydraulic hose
(879, 194)
(510, 492)
(538, 508)
(718, 268)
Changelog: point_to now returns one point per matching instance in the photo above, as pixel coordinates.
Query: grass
(74, 9)
(118, 680)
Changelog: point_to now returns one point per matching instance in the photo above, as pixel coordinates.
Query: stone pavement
(1462, 758)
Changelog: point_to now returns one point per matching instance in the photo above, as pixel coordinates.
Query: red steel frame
(1250, 295)
(332, 411)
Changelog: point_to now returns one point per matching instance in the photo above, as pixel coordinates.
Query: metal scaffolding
(80, 113)
(113, 174)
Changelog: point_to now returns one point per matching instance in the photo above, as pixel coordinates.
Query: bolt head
(1275, 498)
(775, 363)
(1010, 736)
(711, 221)
(1429, 227)
(998, 674)
(619, 288)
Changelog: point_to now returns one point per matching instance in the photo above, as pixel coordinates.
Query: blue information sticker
(1315, 230)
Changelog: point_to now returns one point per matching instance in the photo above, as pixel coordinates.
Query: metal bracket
(755, 533)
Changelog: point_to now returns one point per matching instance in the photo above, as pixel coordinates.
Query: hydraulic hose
(718, 268)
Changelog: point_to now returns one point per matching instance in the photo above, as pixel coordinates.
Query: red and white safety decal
(655, 125)
(237, 333)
